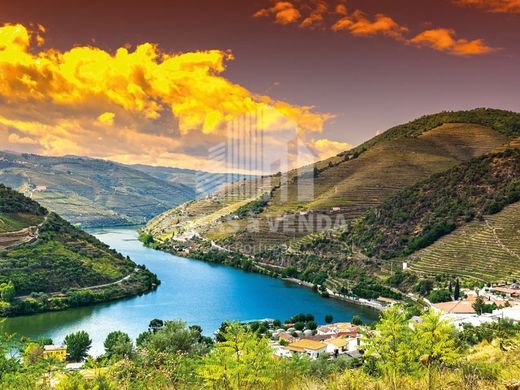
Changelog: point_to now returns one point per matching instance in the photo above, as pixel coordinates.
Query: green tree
(391, 346)
(356, 320)
(155, 325)
(176, 337)
(118, 345)
(243, 361)
(7, 292)
(78, 345)
(456, 293)
(436, 343)
(32, 354)
(440, 295)
(329, 318)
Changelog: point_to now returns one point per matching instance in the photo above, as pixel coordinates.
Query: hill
(91, 192)
(343, 187)
(487, 250)
(52, 265)
(418, 216)
(203, 183)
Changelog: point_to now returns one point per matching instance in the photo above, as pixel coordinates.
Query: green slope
(419, 215)
(354, 181)
(91, 192)
(58, 264)
(487, 250)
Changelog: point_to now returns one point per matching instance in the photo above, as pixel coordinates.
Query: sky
(162, 82)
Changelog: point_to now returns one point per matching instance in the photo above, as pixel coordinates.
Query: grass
(12, 222)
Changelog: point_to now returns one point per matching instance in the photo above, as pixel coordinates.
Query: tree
(78, 345)
(456, 293)
(441, 295)
(155, 325)
(175, 337)
(7, 292)
(481, 307)
(329, 319)
(424, 287)
(356, 320)
(32, 354)
(391, 346)
(312, 325)
(436, 343)
(243, 361)
(118, 345)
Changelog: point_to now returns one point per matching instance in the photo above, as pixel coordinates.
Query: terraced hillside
(54, 259)
(91, 192)
(351, 183)
(487, 250)
(419, 215)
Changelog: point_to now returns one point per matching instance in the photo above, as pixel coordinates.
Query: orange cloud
(316, 17)
(142, 102)
(359, 25)
(496, 6)
(284, 12)
(445, 40)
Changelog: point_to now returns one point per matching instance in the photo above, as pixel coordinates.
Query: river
(194, 291)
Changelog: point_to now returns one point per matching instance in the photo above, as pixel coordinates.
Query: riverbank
(140, 281)
(197, 291)
(334, 295)
(236, 260)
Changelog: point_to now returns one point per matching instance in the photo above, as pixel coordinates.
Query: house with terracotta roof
(507, 292)
(455, 307)
(308, 347)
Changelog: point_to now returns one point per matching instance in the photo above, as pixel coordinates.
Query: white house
(309, 347)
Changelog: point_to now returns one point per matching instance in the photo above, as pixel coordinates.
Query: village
(301, 336)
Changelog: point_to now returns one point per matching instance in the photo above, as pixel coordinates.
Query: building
(512, 293)
(58, 352)
(336, 346)
(308, 347)
(455, 307)
(334, 329)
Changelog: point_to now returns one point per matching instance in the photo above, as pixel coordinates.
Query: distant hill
(91, 192)
(349, 184)
(53, 265)
(203, 183)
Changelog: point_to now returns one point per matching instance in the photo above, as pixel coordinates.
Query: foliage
(456, 292)
(14, 202)
(481, 307)
(423, 213)
(356, 320)
(7, 292)
(440, 295)
(118, 345)
(176, 337)
(78, 345)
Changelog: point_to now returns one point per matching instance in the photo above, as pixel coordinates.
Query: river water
(194, 291)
